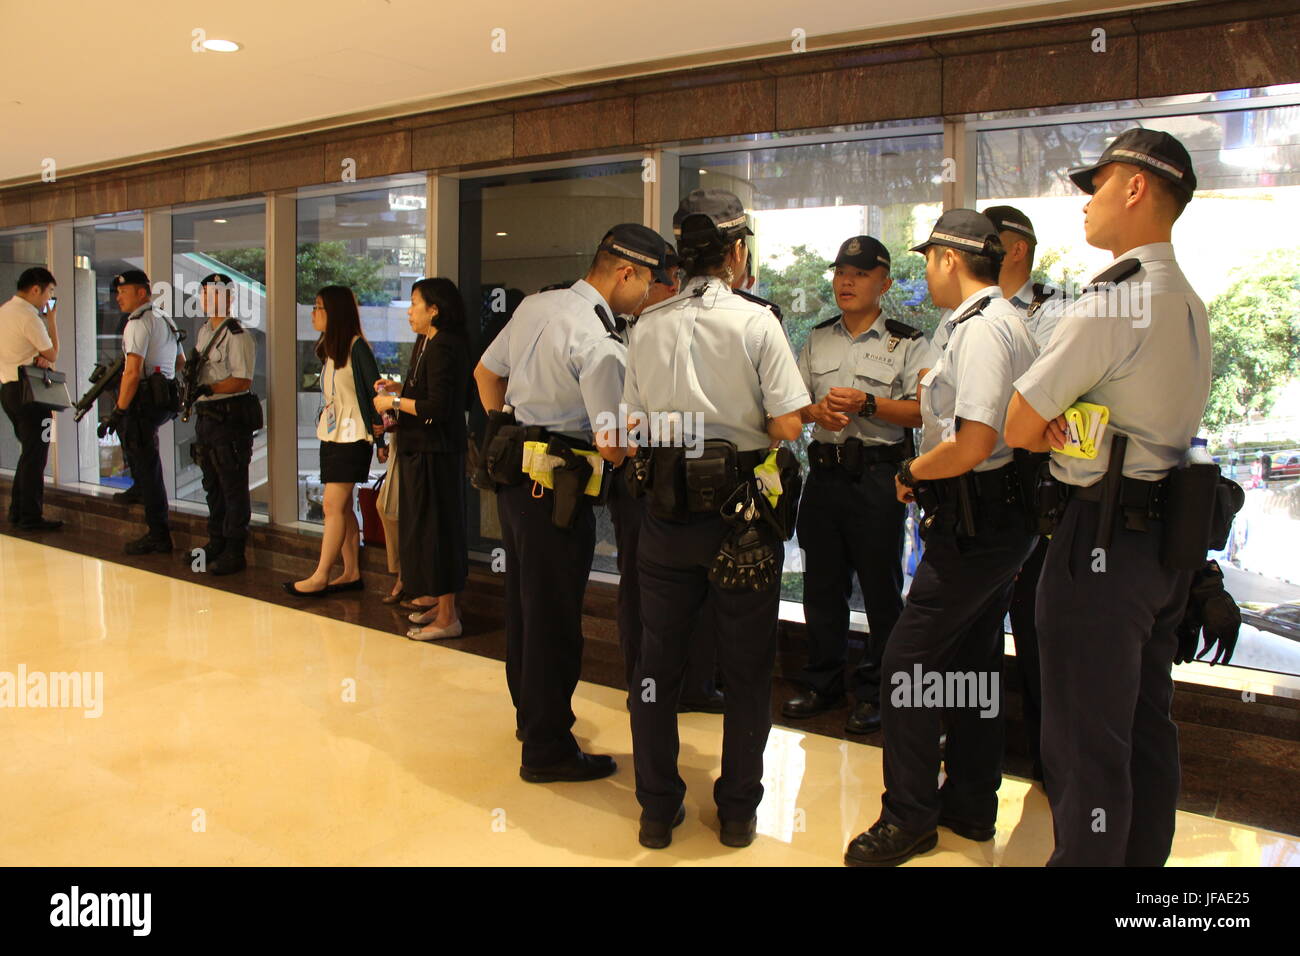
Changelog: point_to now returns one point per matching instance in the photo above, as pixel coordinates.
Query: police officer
(559, 363)
(943, 661)
(1107, 605)
(228, 414)
(861, 369)
(711, 353)
(147, 398)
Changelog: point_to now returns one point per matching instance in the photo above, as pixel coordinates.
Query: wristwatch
(397, 402)
(905, 473)
(868, 409)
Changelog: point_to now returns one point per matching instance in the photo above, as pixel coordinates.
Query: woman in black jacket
(431, 446)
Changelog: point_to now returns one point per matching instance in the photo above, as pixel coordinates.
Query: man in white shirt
(28, 335)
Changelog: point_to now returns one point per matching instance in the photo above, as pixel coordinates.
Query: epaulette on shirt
(557, 285)
(1116, 273)
(831, 321)
(612, 326)
(759, 300)
(902, 329)
(975, 309)
(1041, 294)
(235, 328)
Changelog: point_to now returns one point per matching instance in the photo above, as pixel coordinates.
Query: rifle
(193, 365)
(102, 377)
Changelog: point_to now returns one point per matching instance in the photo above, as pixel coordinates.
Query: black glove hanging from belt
(1211, 609)
(111, 423)
(747, 559)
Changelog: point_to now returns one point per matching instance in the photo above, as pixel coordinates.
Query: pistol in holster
(569, 483)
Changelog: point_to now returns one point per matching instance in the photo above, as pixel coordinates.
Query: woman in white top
(345, 429)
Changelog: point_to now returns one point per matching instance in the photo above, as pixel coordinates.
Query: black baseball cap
(728, 220)
(962, 229)
(641, 245)
(1150, 149)
(130, 277)
(862, 252)
(1011, 219)
(217, 278)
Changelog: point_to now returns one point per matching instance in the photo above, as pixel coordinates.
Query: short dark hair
(342, 324)
(985, 265)
(1172, 197)
(443, 295)
(35, 276)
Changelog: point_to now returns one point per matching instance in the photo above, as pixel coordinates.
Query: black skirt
(431, 522)
(345, 462)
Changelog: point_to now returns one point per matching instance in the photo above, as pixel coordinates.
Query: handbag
(44, 388)
(386, 497)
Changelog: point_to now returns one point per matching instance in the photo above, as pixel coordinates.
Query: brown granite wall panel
(101, 196)
(722, 110)
(286, 169)
(375, 156)
(888, 91)
(53, 201)
(462, 143)
(216, 180)
(1043, 76)
(15, 208)
(1226, 56)
(161, 187)
(580, 126)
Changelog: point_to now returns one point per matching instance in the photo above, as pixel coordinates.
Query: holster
(785, 514)
(569, 482)
(482, 479)
(710, 478)
(637, 472)
(1189, 514)
(246, 413)
(667, 484)
(503, 455)
(1031, 469)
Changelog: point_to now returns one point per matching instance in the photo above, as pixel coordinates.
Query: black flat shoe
(864, 719)
(291, 588)
(656, 834)
(738, 832)
(357, 585)
(811, 703)
(887, 845)
(581, 767)
(971, 831)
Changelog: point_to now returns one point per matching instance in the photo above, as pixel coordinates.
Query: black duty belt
(850, 457)
(1137, 498)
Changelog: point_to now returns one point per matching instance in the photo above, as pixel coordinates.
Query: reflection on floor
(232, 731)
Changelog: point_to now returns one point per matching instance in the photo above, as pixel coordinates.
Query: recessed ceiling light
(503, 233)
(220, 46)
(704, 172)
(220, 220)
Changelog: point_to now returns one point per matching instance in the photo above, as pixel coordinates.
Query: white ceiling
(87, 82)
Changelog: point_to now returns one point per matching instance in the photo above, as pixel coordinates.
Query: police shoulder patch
(902, 329)
(1115, 273)
(975, 309)
(831, 321)
(759, 300)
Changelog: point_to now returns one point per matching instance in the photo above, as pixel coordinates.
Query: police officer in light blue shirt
(706, 367)
(559, 363)
(950, 631)
(147, 398)
(861, 369)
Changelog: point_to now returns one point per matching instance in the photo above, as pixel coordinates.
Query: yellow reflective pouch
(538, 465)
(1085, 424)
(769, 478)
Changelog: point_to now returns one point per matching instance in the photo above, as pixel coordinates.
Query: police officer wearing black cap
(943, 662)
(228, 415)
(148, 397)
(1111, 595)
(720, 365)
(861, 369)
(559, 364)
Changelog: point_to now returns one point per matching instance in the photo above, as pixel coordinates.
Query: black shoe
(290, 587)
(40, 524)
(150, 544)
(971, 831)
(713, 704)
(212, 549)
(357, 585)
(887, 845)
(865, 718)
(579, 767)
(230, 561)
(811, 703)
(738, 832)
(131, 496)
(519, 734)
(656, 834)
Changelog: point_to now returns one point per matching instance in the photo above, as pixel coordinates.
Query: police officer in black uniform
(147, 398)
(861, 369)
(711, 353)
(228, 415)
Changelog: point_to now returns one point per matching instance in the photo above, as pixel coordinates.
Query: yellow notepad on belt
(1085, 424)
(538, 465)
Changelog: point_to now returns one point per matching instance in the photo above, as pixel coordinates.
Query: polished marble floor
(233, 731)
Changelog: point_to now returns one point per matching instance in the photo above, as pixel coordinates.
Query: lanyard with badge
(331, 417)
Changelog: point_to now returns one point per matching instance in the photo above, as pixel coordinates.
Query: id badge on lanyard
(331, 419)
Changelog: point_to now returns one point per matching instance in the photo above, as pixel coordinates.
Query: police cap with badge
(1151, 150)
(129, 277)
(862, 252)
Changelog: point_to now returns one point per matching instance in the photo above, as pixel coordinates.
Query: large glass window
(230, 240)
(101, 249)
(1237, 243)
(18, 251)
(805, 201)
(372, 240)
(521, 232)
